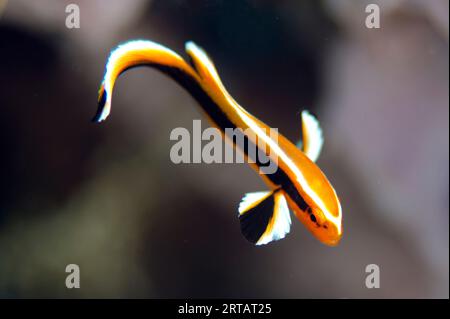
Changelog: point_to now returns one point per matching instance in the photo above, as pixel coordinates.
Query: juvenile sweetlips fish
(297, 185)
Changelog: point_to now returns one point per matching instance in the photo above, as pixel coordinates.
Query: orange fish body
(296, 185)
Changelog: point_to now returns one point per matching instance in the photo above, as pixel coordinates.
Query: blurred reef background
(108, 198)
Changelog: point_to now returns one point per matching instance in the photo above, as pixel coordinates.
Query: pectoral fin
(312, 136)
(264, 216)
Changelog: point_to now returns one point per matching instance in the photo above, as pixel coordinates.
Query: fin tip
(264, 217)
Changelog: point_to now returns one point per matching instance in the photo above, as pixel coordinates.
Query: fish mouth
(331, 234)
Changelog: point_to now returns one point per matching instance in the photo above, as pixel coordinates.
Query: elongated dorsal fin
(312, 136)
(264, 216)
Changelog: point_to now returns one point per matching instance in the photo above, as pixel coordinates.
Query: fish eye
(315, 215)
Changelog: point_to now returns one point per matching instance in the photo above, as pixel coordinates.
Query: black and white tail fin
(264, 216)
